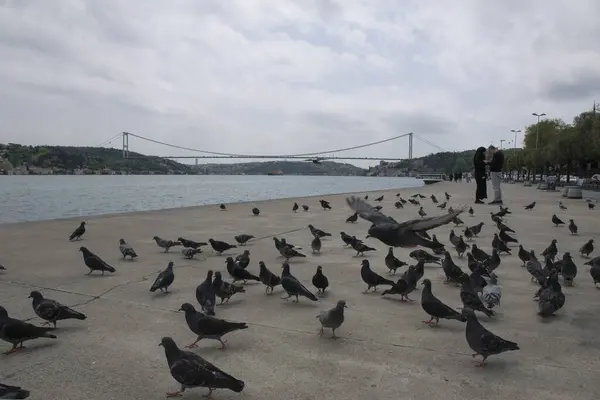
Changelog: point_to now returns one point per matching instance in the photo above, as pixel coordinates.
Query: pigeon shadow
(398, 300)
(448, 326)
(492, 367)
(303, 304)
(96, 275)
(31, 349)
(68, 328)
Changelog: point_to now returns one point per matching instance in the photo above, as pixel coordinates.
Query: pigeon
(503, 227)
(561, 206)
(587, 248)
(16, 332)
(529, 207)
(325, 204)
(443, 205)
(482, 341)
(414, 202)
(493, 261)
(255, 211)
(471, 300)
(371, 278)
(205, 294)
(13, 392)
(2, 267)
(468, 233)
(347, 239)
(295, 207)
(556, 221)
(377, 208)
(447, 196)
(397, 204)
(332, 318)
(238, 273)
(165, 244)
(435, 308)
(189, 252)
(269, 279)
(534, 267)
(316, 245)
(293, 287)
(360, 248)
(223, 207)
(220, 247)
(452, 237)
(93, 262)
(318, 232)
(78, 233)
(353, 218)
(591, 206)
(425, 257)
(506, 238)
(304, 207)
(568, 269)
(476, 229)
(461, 247)
(550, 298)
(471, 211)
(243, 239)
(392, 262)
(191, 370)
(366, 197)
(437, 250)
(51, 310)
(572, 227)
(524, 255)
(479, 254)
(551, 251)
(495, 218)
(395, 234)
(457, 221)
(164, 279)
(499, 245)
(421, 212)
(190, 243)
(320, 281)
(454, 274)
(126, 249)
(595, 272)
(434, 199)
(243, 260)
(224, 290)
(405, 285)
(207, 327)
(380, 198)
(289, 253)
(491, 293)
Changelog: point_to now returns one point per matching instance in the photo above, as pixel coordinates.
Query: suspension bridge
(317, 156)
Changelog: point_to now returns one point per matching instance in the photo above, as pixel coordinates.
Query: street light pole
(502, 141)
(537, 139)
(515, 131)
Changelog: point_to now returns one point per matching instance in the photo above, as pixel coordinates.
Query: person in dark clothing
(479, 175)
(496, 166)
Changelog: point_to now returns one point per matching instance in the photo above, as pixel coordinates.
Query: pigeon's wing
(366, 211)
(48, 309)
(189, 372)
(16, 329)
(492, 343)
(424, 224)
(216, 373)
(211, 325)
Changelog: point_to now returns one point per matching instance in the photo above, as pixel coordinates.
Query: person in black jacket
(496, 166)
(479, 175)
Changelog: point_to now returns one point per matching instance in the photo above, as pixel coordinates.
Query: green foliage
(286, 167)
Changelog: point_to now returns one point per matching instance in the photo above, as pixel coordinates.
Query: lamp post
(537, 139)
(515, 131)
(502, 141)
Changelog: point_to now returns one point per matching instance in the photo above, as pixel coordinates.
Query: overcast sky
(292, 76)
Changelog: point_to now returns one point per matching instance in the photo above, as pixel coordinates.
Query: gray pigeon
(190, 252)
(192, 371)
(293, 287)
(482, 341)
(126, 249)
(243, 239)
(165, 243)
(12, 392)
(395, 234)
(333, 318)
(316, 244)
(164, 279)
(224, 290)
(51, 310)
(205, 294)
(269, 279)
(207, 327)
(94, 263)
(16, 332)
(491, 293)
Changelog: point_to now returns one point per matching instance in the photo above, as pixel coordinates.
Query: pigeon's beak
(345, 306)
(368, 236)
(30, 296)
(160, 344)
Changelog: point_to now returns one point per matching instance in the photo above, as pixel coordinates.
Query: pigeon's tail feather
(76, 314)
(13, 392)
(326, 234)
(233, 384)
(109, 268)
(387, 282)
(309, 295)
(253, 278)
(49, 335)
(588, 263)
(240, 325)
(511, 345)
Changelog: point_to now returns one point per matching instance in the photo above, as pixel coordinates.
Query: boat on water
(278, 172)
(428, 179)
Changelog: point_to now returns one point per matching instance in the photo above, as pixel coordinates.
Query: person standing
(496, 166)
(479, 175)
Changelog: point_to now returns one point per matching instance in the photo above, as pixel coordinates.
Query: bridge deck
(385, 352)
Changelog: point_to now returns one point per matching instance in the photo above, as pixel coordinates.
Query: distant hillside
(283, 167)
(21, 159)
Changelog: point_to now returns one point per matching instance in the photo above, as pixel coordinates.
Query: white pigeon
(491, 293)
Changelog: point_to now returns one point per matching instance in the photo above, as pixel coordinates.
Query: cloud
(257, 76)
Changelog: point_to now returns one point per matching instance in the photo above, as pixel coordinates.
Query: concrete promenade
(384, 351)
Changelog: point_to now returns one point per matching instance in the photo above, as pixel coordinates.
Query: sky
(292, 76)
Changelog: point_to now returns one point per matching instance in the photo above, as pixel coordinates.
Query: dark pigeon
(94, 263)
(16, 332)
(51, 310)
(318, 232)
(164, 279)
(304, 207)
(392, 262)
(435, 308)
(325, 204)
(587, 248)
(238, 273)
(205, 294)
(292, 286)
(295, 207)
(243, 239)
(372, 279)
(243, 260)
(268, 278)
(220, 247)
(353, 218)
(556, 221)
(482, 341)
(529, 207)
(78, 233)
(255, 211)
(13, 392)
(225, 290)
(190, 243)
(207, 327)
(320, 281)
(223, 207)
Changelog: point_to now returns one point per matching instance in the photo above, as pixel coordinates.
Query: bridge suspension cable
(216, 153)
(430, 143)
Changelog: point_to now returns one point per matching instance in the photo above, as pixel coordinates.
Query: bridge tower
(125, 144)
(410, 146)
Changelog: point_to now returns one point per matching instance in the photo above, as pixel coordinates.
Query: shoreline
(117, 214)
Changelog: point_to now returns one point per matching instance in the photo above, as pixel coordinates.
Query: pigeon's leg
(428, 322)
(222, 344)
(333, 334)
(295, 301)
(102, 272)
(193, 345)
(285, 298)
(89, 273)
(209, 394)
(174, 394)
(482, 363)
(48, 323)
(321, 332)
